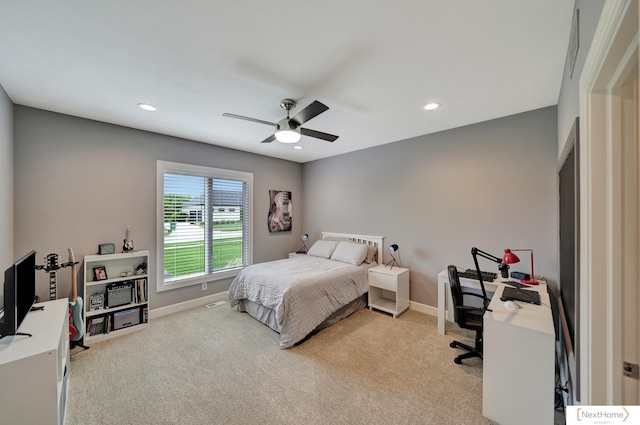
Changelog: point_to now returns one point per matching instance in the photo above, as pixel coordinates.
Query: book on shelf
(145, 290)
(140, 291)
(98, 325)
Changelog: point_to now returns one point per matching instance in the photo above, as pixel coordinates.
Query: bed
(298, 296)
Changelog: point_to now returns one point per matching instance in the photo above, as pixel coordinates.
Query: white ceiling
(374, 63)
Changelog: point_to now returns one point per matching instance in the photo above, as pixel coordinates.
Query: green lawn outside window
(185, 258)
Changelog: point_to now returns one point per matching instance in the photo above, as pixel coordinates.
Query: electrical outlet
(204, 286)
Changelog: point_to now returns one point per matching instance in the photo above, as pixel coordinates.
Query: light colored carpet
(219, 366)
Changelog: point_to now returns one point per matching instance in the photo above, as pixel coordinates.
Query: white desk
(518, 362)
(445, 305)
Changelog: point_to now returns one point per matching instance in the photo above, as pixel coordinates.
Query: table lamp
(511, 258)
(304, 248)
(392, 249)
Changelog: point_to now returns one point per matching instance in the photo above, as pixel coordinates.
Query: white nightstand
(389, 289)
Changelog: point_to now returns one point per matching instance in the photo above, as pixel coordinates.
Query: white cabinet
(116, 294)
(389, 289)
(34, 370)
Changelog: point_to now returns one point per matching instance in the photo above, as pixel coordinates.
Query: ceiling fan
(289, 130)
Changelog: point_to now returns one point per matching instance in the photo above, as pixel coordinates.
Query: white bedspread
(303, 290)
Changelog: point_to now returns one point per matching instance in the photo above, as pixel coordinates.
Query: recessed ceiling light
(297, 147)
(431, 106)
(146, 106)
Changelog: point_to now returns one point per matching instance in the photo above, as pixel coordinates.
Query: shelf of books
(116, 288)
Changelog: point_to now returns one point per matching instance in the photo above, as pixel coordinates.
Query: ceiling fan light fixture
(286, 133)
(287, 136)
(290, 130)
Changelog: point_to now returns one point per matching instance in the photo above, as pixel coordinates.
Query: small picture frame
(96, 302)
(99, 273)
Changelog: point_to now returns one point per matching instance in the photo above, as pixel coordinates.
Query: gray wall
(569, 109)
(492, 185)
(569, 100)
(6, 184)
(79, 183)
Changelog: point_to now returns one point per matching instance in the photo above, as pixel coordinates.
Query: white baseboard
(423, 308)
(175, 308)
(223, 296)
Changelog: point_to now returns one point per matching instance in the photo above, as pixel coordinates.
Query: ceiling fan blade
(313, 110)
(240, 117)
(318, 135)
(269, 139)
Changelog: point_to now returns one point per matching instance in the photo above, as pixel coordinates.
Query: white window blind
(205, 223)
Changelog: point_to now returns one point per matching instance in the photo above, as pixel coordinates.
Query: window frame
(207, 172)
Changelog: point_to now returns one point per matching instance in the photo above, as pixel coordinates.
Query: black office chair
(466, 317)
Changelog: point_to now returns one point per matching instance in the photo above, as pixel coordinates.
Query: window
(204, 224)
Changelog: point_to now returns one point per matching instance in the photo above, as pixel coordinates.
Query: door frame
(614, 48)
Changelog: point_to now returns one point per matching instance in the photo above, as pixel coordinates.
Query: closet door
(569, 217)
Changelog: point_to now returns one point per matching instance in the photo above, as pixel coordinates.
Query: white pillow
(372, 250)
(322, 249)
(350, 253)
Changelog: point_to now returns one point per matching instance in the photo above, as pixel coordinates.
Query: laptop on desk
(523, 295)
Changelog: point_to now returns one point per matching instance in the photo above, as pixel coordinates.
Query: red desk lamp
(511, 258)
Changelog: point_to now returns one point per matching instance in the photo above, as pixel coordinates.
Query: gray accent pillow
(371, 253)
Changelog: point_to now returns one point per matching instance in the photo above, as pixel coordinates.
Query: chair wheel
(457, 361)
(452, 344)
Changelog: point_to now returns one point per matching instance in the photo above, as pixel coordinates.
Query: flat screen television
(19, 293)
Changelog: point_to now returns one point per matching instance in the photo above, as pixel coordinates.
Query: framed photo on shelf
(99, 273)
(96, 302)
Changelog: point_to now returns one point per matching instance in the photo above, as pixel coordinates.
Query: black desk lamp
(304, 248)
(393, 248)
(475, 252)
